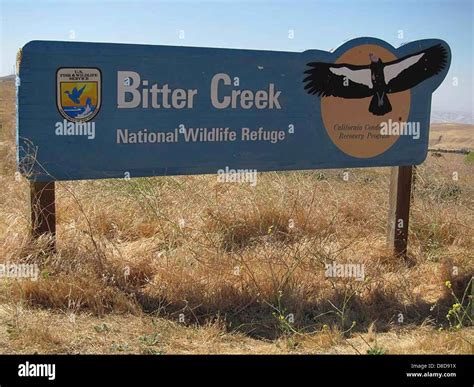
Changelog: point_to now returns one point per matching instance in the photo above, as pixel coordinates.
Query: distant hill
(451, 136)
(452, 117)
(8, 78)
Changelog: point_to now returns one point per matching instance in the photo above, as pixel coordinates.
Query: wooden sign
(93, 110)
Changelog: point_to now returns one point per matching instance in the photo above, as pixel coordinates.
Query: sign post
(43, 211)
(399, 209)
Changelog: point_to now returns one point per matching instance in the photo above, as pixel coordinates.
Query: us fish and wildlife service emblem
(78, 93)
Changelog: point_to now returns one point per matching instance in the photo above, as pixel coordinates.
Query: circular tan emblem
(350, 124)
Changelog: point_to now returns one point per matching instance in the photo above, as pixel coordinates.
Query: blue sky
(253, 25)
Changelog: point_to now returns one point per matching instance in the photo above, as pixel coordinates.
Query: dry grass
(25, 330)
(188, 265)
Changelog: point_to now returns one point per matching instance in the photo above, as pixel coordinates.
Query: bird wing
(81, 90)
(73, 91)
(409, 71)
(338, 80)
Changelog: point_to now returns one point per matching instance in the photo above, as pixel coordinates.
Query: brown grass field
(189, 265)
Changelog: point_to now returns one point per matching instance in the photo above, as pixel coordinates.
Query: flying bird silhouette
(75, 94)
(375, 80)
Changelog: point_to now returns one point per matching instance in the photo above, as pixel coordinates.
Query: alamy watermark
(229, 175)
(345, 270)
(19, 271)
(28, 369)
(66, 128)
(400, 128)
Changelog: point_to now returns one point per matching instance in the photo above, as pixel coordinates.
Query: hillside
(452, 136)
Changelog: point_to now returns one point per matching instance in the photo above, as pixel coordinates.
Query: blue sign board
(94, 110)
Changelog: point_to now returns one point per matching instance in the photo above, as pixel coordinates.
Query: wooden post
(399, 209)
(414, 177)
(43, 210)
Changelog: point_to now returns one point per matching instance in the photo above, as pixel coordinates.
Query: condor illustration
(376, 79)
